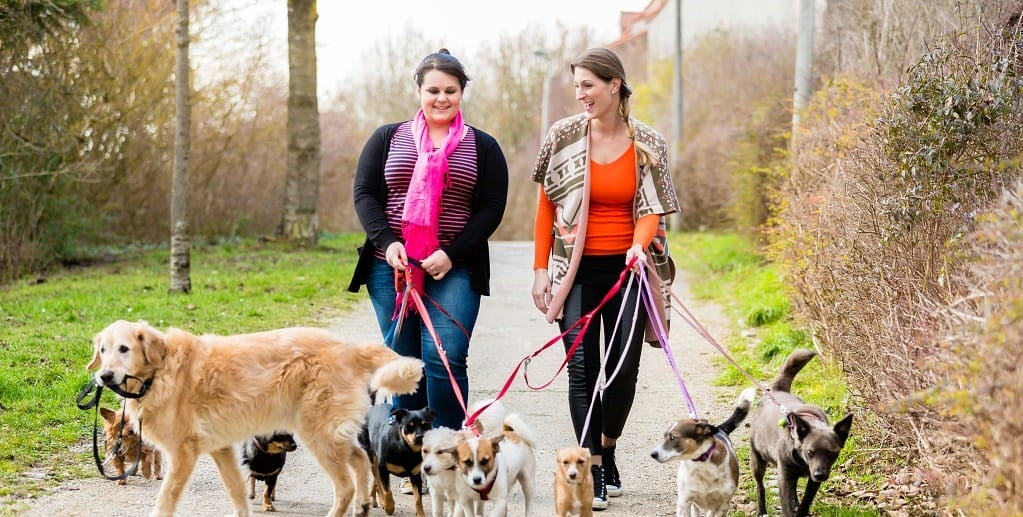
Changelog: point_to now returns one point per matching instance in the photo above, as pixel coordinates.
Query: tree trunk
(180, 249)
(302, 182)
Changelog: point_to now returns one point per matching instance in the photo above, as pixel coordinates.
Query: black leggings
(593, 281)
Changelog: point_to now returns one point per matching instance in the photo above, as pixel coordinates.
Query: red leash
(524, 362)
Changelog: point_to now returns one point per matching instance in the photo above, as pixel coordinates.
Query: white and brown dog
(440, 463)
(488, 468)
(708, 474)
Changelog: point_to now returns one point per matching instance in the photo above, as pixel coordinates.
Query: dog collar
(484, 492)
(706, 455)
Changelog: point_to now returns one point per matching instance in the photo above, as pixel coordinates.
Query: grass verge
(47, 324)
(727, 269)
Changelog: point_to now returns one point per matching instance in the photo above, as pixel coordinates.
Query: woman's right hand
(541, 290)
(396, 257)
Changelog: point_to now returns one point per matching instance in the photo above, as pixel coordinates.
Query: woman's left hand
(437, 264)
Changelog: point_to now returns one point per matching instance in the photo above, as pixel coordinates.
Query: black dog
(265, 455)
(393, 439)
(802, 445)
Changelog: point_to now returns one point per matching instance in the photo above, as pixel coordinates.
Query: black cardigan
(469, 248)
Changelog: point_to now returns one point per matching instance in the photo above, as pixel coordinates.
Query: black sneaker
(599, 489)
(612, 480)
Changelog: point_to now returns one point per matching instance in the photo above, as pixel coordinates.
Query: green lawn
(47, 324)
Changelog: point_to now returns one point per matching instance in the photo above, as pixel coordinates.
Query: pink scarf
(422, 202)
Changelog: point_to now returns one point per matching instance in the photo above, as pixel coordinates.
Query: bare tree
(180, 263)
(302, 181)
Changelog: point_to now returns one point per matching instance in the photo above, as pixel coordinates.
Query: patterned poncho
(562, 166)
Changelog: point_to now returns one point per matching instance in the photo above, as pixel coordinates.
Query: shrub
(875, 224)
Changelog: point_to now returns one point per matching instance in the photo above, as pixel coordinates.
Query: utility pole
(804, 63)
(675, 220)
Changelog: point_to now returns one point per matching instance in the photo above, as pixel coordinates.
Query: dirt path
(509, 328)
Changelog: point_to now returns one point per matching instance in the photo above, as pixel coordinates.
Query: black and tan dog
(801, 445)
(393, 439)
(265, 456)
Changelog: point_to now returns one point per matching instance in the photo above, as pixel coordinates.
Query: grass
(727, 269)
(46, 329)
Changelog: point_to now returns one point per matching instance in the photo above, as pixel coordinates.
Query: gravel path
(509, 328)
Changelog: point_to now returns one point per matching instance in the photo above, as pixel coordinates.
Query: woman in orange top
(604, 189)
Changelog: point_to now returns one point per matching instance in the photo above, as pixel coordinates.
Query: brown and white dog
(207, 393)
(488, 468)
(708, 472)
(573, 483)
(440, 461)
(115, 428)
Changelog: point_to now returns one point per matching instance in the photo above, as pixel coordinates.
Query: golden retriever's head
(126, 348)
(573, 464)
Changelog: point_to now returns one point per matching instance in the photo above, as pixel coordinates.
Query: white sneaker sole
(599, 504)
(614, 491)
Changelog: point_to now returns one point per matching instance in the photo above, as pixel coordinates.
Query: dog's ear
(843, 428)
(496, 440)
(95, 361)
(154, 346)
(800, 427)
(398, 413)
(108, 414)
(704, 428)
(429, 414)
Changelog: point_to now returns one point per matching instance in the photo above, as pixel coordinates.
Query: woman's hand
(395, 256)
(437, 264)
(637, 252)
(541, 290)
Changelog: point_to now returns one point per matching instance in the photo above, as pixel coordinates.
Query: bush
(876, 223)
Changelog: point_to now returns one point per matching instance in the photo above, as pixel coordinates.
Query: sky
(346, 29)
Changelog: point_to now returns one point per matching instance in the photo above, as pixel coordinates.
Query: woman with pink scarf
(429, 192)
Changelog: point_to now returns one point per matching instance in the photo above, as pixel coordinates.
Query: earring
(614, 92)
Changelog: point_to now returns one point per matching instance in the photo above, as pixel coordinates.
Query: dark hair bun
(443, 51)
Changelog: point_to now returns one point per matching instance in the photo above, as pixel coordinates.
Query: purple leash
(662, 337)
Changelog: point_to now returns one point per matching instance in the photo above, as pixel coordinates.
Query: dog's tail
(393, 374)
(795, 362)
(741, 410)
(491, 421)
(513, 422)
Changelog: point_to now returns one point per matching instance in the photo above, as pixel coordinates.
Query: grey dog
(800, 445)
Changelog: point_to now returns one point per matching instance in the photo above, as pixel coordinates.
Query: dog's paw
(269, 507)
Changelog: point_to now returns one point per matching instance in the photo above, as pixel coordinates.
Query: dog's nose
(427, 468)
(820, 475)
(573, 475)
(107, 376)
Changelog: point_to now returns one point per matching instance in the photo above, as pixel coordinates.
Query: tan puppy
(573, 483)
(149, 463)
(207, 393)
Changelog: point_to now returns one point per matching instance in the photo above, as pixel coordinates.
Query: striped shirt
(456, 203)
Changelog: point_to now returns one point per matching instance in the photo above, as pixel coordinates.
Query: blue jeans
(463, 304)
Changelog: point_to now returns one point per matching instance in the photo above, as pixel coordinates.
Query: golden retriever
(207, 393)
